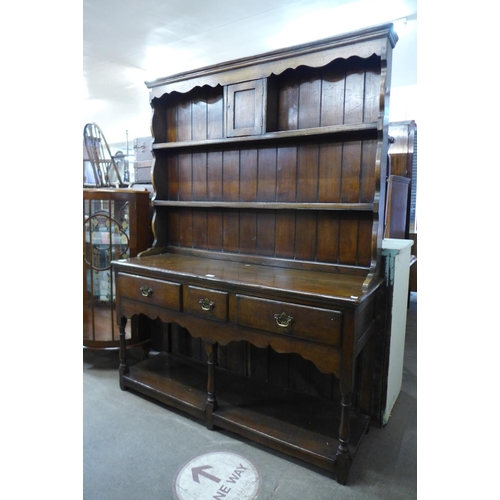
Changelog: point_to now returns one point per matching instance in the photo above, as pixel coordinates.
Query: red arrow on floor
(200, 471)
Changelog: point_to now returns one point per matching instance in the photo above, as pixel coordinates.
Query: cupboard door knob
(206, 304)
(146, 291)
(283, 320)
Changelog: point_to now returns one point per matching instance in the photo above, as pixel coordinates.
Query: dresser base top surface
(309, 284)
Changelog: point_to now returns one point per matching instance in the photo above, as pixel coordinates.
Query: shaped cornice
(363, 44)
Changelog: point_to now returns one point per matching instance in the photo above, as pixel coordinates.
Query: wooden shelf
(292, 423)
(368, 207)
(315, 132)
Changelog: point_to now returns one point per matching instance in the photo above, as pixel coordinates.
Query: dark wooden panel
(342, 92)
(185, 177)
(323, 236)
(186, 228)
(286, 180)
(322, 172)
(184, 117)
(365, 240)
(173, 227)
(258, 363)
(200, 229)
(214, 229)
(248, 231)
(266, 176)
(244, 108)
(310, 100)
(319, 384)
(330, 169)
(233, 357)
(288, 101)
(244, 103)
(231, 175)
(348, 243)
(199, 176)
(183, 343)
(372, 91)
(367, 179)
(199, 115)
(171, 119)
(298, 374)
(215, 116)
(231, 231)
(285, 234)
(178, 339)
(278, 368)
(172, 175)
(307, 173)
(305, 236)
(397, 206)
(266, 228)
(332, 108)
(354, 92)
(248, 175)
(160, 124)
(214, 175)
(159, 175)
(351, 167)
(328, 237)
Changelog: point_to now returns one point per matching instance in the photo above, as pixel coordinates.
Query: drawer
(206, 302)
(149, 290)
(295, 320)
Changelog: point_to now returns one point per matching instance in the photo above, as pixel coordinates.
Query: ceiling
(126, 43)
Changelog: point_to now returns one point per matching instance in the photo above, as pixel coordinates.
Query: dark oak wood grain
(269, 179)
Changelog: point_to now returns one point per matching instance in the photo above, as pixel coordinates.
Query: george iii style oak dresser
(269, 182)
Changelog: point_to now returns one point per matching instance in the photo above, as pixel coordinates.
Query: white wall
(404, 104)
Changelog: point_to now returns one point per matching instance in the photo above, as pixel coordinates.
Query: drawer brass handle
(283, 320)
(146, 291)
(206, 304)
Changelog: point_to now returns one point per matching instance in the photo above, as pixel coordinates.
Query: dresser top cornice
(363, 43)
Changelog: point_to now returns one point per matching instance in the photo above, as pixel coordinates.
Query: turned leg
(123, 370)
(343, 458)
(211, 406)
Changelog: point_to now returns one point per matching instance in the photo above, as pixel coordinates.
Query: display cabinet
(116, 224)
(269, 182)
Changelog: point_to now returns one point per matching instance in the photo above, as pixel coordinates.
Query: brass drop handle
(206, 304)
(146, 291)
(283, 320)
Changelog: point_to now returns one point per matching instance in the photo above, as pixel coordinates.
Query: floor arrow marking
(200, 471)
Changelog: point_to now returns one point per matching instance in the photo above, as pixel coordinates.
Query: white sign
(217, 476)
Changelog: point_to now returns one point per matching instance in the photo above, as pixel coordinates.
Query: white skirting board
(397, 273)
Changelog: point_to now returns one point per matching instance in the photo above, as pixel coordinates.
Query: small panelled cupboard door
(245, 108)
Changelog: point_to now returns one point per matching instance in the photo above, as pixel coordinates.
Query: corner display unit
(116, 224)
(269, 196)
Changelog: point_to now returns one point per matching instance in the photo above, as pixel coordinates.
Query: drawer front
(207, 303)
(295, 320)
(150, 290)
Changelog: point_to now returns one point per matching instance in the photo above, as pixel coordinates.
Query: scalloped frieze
(364, 44)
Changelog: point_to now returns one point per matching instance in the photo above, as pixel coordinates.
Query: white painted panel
(397, 272)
